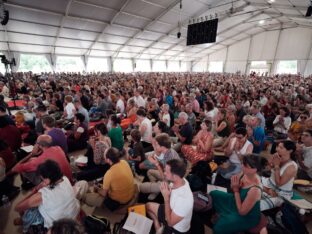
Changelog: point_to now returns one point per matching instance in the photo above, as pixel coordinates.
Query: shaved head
(44, 140)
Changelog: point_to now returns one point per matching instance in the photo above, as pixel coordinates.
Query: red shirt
(53, 153)
(8, 157)
(12, 136)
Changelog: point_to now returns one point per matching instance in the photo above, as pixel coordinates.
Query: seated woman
(238, 146)
(21, 124)
(77, 139)
(153, 109)
(282, 123)
(284, 169)
(146, 129)
(115, 133)
(131, 115)
(52, 200)
(222, 128)
(240, 211)
(69, 109)
(96, 166)
(159, 127)
(136, 152)
(201, 150)
(164, 115)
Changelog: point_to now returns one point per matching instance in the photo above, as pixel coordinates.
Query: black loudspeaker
(309, 12)
(204, 32)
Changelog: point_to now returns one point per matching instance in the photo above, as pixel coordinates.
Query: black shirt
(138, 150)
(186, 131)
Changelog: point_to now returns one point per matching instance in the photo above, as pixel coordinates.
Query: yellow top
(119, 182)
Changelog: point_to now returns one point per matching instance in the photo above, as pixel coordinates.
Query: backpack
(291, 220)
(118, 227)
(200, 176)
(96, 224)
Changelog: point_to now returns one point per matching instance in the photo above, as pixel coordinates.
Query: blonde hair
(19, 117)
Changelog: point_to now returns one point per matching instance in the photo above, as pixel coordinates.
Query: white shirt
(120, 105)
(167, 118)
(69, 108)
(307, 159)
(211, 115)
(139, 101)
(181, 203)
(235, 156)
(279, 127)
(263, 101)
(58, 203)
(148, 131)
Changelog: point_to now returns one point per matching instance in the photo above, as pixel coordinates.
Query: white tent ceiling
(140, 29)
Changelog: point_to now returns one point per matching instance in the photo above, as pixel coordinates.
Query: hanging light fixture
(179, 23)
(4, 14)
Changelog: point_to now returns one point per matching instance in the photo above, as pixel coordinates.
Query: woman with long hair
(284, 170)
(243, 205)
(202, 145)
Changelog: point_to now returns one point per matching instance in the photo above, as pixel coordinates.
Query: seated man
(163, 153)
(184, 132)
(10, 134)
(118, 184)
(44, 150)
(304, 156)
(176, 213)
(257, 136)
(57, 135)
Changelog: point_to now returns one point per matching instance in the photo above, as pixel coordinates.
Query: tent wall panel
(263, 46)
(239, 51)
(218, 56)
(235, 66)
(294, 44)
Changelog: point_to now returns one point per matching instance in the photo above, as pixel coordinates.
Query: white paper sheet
(28, 148)
(81, 159)
(211, 187)
(138, 224)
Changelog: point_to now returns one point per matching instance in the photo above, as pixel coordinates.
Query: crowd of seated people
(154, 128)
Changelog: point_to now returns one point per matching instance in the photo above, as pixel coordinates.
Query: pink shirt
(196, 106)
(53, 153)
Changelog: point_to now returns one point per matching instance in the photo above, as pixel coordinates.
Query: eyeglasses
(303, 117)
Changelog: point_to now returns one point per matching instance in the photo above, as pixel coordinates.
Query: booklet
(138, 224)
(301, 203)
(28, 148)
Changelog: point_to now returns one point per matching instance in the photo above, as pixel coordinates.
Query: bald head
(44, 141)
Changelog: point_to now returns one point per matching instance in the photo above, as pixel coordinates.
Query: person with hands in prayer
(243, 205)
(284, 169)
(174, 216)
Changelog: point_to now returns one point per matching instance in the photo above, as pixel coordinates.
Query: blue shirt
(259, 136)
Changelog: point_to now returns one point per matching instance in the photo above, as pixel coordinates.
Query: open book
(301, 203)
(138, 224)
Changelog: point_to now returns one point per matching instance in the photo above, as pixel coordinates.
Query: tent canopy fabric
(138, 29)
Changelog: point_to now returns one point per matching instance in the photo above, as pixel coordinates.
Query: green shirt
(115, 134)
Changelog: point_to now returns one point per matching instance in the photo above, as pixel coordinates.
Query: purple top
(58, 138)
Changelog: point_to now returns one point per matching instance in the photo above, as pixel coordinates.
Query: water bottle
(5, 201)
